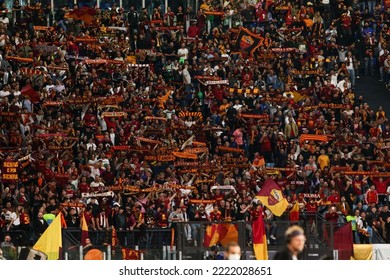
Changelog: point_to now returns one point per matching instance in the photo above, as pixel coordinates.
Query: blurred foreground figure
(295, 243)
(233, 252)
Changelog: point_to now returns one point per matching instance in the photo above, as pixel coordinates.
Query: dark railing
(188, 239)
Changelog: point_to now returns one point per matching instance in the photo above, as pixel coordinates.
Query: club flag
(259, 239)
(247, 42)
(272, 197)
(294, 212)
(84, 14)
(84, 231)
(32, 94)
(50, 241)
(220, 233)
(343, 241)
(130, 254)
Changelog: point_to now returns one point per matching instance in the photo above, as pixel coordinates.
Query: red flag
(29, 92)
(259, 239)
(343, 241)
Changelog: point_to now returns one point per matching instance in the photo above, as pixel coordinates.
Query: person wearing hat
(216, 253)
(295, 243)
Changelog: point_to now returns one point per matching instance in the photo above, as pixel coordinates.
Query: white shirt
(96, 184)
(388, 191)
(333, 79)
(340, 85)
(112, 138)
(15, 218)
(349, 62)
(168, 114)
(330, 33)
(183, 52)
(4, 93)
(237, 106)
(186, 76)
(91, 145)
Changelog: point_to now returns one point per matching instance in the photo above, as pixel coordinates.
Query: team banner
(199, 150)
(72, 204)
(224, 188)
(43, 28)
(20, 59)
(152, 118)
(313, 137)
(114, 114)
(10, 171)
(30, 72)
(254, 116)
(202, 201)
(221, 82)
(230, 149)
(311, 195)
(247, 42)
(242, 91)
(185, 155)
(160, 158)
(89, 195)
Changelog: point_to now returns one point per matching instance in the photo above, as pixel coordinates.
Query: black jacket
(285, 255)
(39, 227)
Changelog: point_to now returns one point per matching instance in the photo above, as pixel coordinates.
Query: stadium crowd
(140, 119)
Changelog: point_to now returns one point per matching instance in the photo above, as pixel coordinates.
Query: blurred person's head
(295, 238)
(233, 251)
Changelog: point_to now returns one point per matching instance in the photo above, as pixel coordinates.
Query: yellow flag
(50, 241)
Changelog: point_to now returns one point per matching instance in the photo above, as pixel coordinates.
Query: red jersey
(346, 20)
(311, 207)
(261, 15)
(25, 219)
(162, 220)
(216, 216)
(218, 197)
(371, 196)
(84, 188)
(334, 198)
(381, 187)
(357, 187)
(255, 214)
(332, 217)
